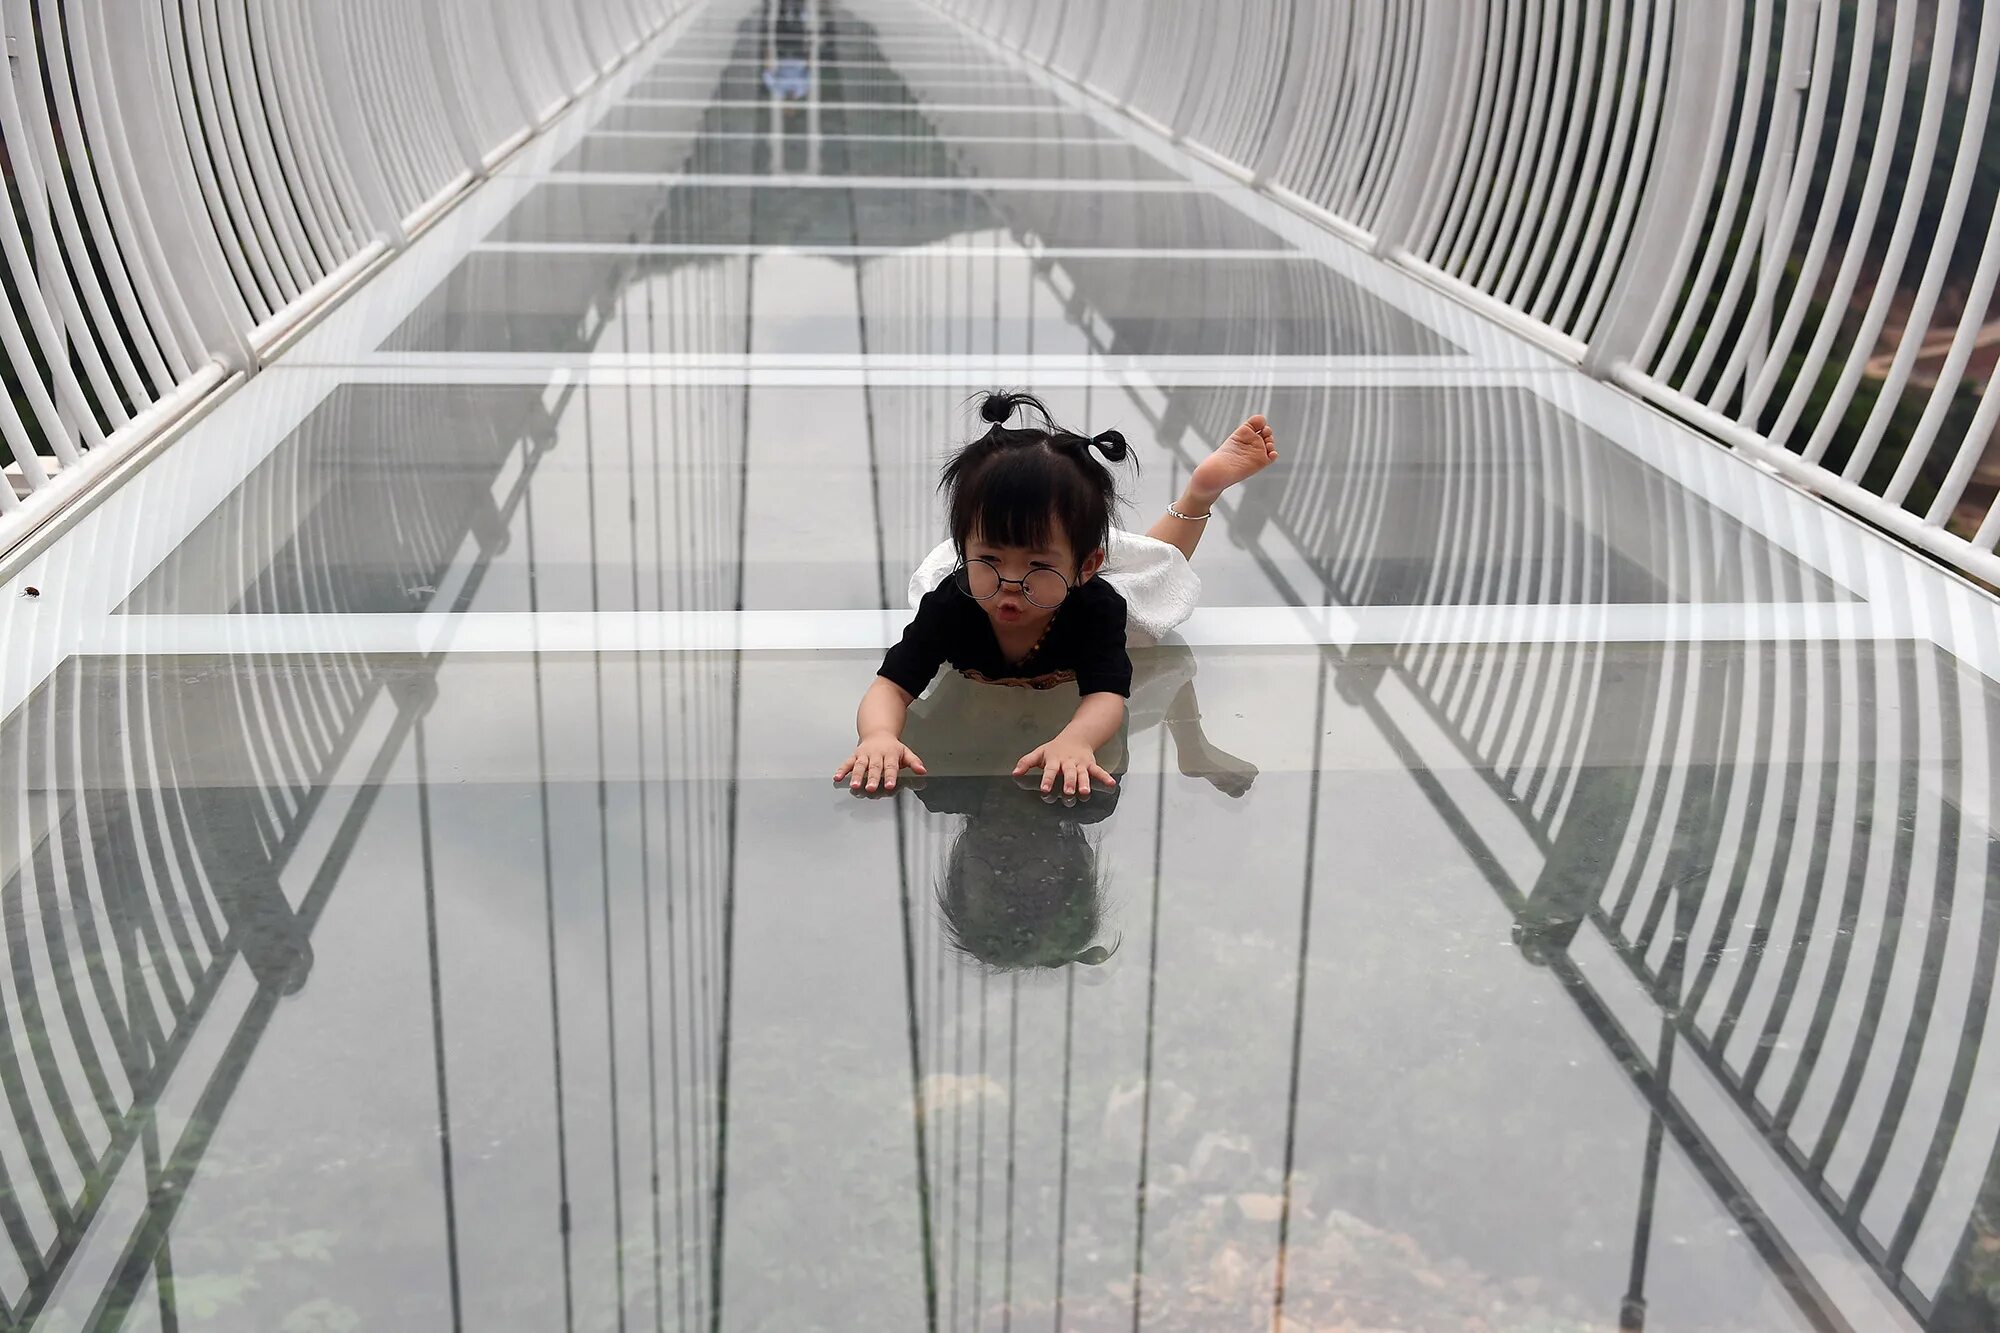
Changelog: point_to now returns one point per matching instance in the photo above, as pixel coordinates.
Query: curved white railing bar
(188, 798)
(1775, 219)
(190, 179)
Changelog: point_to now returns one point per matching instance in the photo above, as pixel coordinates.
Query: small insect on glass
(980, 580)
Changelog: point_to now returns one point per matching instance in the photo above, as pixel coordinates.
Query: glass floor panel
(835, 48)
(1550, 883)
(791, 119)
(666, 213)
(412, 498)
(948, 69)
(639, 304)
(810, 155)
(389, 954)
(833, 91)
(706, 74)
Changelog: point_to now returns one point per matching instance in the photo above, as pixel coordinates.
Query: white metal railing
(175, 831)
(1773, 218)
(189, 179)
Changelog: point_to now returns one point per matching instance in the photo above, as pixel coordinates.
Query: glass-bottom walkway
(1553, 883)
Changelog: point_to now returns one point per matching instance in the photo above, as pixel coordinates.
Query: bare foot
(1249, 449)
(1222, 770)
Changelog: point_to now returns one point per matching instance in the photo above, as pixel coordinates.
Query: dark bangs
(1025, 492)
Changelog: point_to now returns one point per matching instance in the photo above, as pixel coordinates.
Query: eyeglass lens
(1043, 587)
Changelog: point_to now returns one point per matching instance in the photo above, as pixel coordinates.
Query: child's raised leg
(1248, 450)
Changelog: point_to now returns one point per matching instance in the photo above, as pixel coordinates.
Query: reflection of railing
(1820, 922)
(158, 861)
(191, 182)
(175, 805)
(1809, 897)
(1664, 190)
(130, 903)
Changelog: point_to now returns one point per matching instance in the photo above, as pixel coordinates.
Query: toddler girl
(1016, 598)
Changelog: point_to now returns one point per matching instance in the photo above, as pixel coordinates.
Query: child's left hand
(1071, 761)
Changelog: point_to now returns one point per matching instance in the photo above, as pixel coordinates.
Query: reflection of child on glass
(1019, 887)
(1030, 511)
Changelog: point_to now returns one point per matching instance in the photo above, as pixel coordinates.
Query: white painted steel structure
(191, 179)
(1772, 218)
(1812, 774)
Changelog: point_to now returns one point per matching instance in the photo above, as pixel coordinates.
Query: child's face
(1009, 607)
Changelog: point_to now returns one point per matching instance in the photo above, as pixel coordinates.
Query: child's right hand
(875, 763)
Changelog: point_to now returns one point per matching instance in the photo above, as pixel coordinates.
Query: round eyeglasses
(981, 581)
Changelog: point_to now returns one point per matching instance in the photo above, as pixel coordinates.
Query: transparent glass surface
(705, 75)
(350, 979)
(817, 155)
(1550, 881)
(835, 88)
(794, 118)
(415, 497)
(669, 213)
(628, 301)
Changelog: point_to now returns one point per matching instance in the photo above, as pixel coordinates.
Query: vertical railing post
(451, 91)
(517, 82)
(1283, 112)
(1443, 27)
(578, 16)
(343, 101)
(161, 152)
(1651, 268)
(1087, 58)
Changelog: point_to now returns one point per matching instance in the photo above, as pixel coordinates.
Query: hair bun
(997, 407)
(1112, 445)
